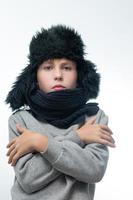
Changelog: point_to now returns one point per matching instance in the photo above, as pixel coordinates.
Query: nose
(58, 74)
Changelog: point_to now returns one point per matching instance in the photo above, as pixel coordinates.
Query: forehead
(59, 60)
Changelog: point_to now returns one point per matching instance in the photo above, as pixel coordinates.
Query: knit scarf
(61, 108)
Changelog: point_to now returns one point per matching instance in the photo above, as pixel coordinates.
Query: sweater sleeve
(86, 164)
(33, 171)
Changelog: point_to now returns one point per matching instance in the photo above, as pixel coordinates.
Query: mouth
(58, 88)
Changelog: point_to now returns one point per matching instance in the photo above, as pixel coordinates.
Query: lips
(58, 86)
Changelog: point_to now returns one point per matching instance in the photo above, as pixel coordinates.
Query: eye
(67, 67)
(48, 67)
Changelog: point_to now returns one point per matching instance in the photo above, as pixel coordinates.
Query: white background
(107, 30)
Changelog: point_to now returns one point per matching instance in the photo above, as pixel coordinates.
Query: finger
(12, 155)
(11, 143)
(107, 136)
(106, 128)
(15, 159)
(91, 120)
(105, 142)
(19, 128)
(10, 149)
(106, 132)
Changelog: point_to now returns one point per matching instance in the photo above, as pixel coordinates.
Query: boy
(58, 141)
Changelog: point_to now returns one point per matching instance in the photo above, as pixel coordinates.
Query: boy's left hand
(27, 142)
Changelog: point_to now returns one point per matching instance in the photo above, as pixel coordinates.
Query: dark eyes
(67, 67)
(49, 67)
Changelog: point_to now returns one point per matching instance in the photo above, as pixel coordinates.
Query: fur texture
(56, 42)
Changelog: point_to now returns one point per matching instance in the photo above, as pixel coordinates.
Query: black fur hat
(58, 41)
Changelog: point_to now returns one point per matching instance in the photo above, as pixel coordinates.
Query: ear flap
(16, 96)
(89, 79)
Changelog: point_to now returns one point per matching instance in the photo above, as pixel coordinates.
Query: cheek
(72, 79)
(43, 79)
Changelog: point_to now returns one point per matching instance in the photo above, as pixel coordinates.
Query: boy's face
(54, 72)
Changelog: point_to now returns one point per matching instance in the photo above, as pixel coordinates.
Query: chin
(59, 89)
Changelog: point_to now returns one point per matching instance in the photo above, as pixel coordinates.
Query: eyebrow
(63, 62)
(48, 61)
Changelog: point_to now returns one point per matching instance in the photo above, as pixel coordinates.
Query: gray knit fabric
(68, 170)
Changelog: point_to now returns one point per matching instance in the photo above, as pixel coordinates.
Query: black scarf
(60, 108)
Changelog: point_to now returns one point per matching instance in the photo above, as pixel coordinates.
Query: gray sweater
(68, 170)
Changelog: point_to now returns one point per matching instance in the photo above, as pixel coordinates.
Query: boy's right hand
(96, 133)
